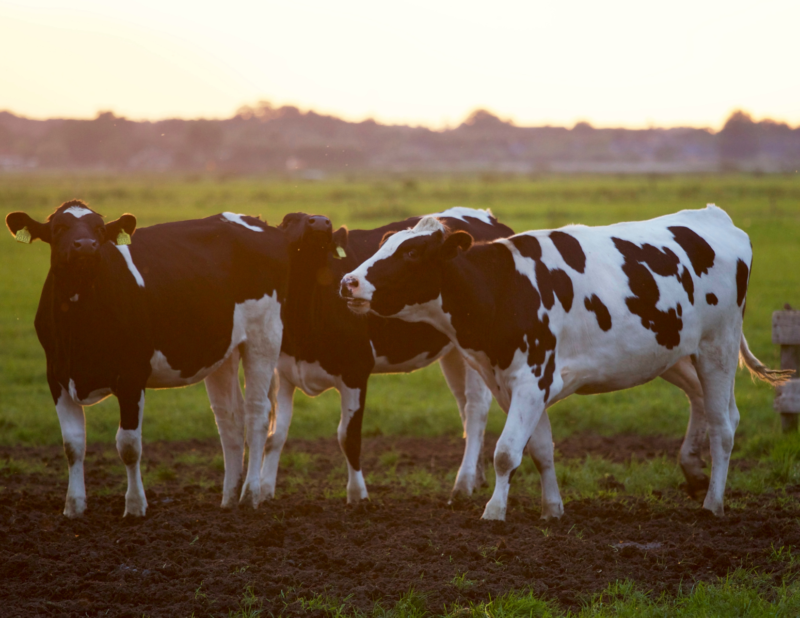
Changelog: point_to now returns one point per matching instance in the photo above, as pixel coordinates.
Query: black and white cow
(180, 303)
(546, 314)
(327, 346)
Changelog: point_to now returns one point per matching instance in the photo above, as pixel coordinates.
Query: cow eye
(412, 254)
(60, 229)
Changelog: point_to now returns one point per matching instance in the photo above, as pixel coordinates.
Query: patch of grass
(300, 463)
(461, 582)
(11, 466)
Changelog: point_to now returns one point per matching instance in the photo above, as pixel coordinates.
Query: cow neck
(467, 290)
(308, 303)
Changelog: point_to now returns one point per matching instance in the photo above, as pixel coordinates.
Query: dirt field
(190, 557)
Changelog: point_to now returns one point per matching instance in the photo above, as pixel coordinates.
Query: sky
(423, 62)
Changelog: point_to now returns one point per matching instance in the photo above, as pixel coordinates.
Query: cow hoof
(250, 497)
(697, 488)
(356, 497)
(552, 510)
(267, 492)
(494, 512)
(463, 488)
(74, 507)
(135, 511)
(717, 509)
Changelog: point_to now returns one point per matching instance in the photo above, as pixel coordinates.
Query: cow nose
(349, 284)
(318, 223)
(85, 245)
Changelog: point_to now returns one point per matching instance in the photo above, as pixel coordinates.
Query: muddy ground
(190, 557)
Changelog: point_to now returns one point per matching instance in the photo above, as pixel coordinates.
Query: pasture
(629, 544)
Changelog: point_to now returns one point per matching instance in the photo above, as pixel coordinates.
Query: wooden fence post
(786, 333)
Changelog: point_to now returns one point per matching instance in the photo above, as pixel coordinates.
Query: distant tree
(484, 119)
(582, 127)
(738, 140)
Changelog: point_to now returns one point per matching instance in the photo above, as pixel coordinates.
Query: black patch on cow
(688, 284)
(711, 299)
(742, 274)
(570, 249)
(600, 311)
(700, 253)
(551, 283)
(666, 325)
(495, 309)
(352, 440)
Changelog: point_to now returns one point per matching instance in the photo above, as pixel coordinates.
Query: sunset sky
(430, 62)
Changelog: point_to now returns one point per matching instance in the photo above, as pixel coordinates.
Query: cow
(165, 307)
(545, 314)
(327, 346)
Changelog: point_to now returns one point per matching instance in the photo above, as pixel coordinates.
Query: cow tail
(758, 369)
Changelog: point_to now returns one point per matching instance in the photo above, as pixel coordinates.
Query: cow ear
(454, 242)
(121, 230)
(339, 242)
(341, 236)
(385, 238)
(26, 229)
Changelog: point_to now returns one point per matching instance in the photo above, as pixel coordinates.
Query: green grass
(767, 207)
(743, 594)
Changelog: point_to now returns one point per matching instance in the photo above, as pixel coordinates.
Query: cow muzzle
(349, 289)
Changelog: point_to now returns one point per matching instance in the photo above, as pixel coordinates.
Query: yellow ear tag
(339, 253)
(23, 235)
(123, 238)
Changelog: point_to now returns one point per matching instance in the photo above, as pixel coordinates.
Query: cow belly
(423, 359)
(163, 375)
(310, 378)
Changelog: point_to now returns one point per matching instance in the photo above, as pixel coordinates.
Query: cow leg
(473, 398)
(349, 434)
(129, 447)
(527, 407)
(227, 403)
(279, 430)
(73, 432)
(540, 448)
(684, 376)
(716, 368)
(260, 359)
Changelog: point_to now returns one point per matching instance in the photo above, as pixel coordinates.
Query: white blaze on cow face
(236, 218)
(78, 211)
(358, 290)
(126, 254)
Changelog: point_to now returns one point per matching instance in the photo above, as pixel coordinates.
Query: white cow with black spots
(549, 313)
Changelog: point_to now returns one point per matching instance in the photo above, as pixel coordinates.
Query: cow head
(311, 240)
(406, 270)
(75, 234)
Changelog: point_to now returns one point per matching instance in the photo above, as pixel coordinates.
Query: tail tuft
(759, 370)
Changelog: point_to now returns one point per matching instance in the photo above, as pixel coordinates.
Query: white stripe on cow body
(126, 253)
(459, 212)
(77, 211)
(237, 218)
